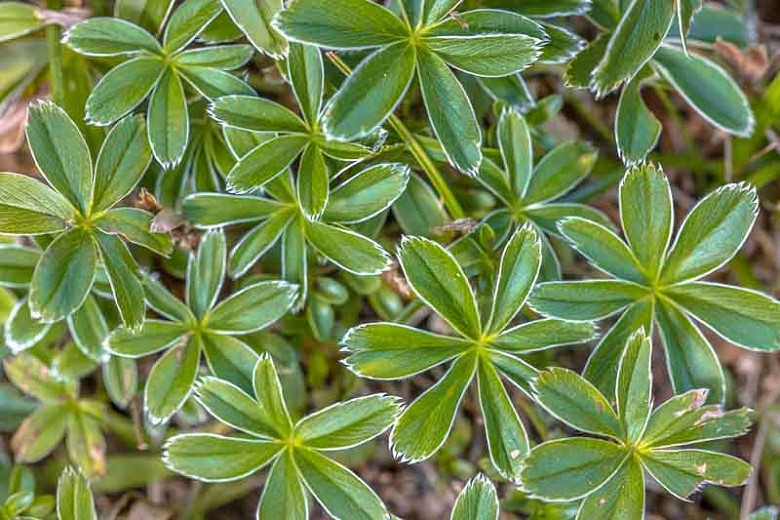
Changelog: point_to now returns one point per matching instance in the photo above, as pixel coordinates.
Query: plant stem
(53, 36)
(415, 148)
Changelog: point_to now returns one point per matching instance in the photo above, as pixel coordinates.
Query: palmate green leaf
(252, 308)
(748, 318)
(124, 277)
(646, 215)
(347, 249)
(568, 469)
(602, 366)
(634, 385)
(29, 207)
(477, 501)
(122, 89)
(394, 351)
(109, 37)
(506, 436)
(682, 472)
(424, 425)
(153, 336)
(366, 194)
(187, 21)
(543, 334)
(231, 405)
(229, 358)
(622, 497)
(348, 424)
(216, 458)
(575, 401)
(439, 281)
(346, 24)
(585, 299)
(65, 160)
(371, 93)
(74, 496)
(39, 433)
(205, 273)
(283, 493)
(254, 20)
(691, 359)
(64, 276)
(559, 171)
(450, 112)
(168, 120)
(340, 492)
(712, 233)
(707, 88)
(18, 19)
(170, 381)
(517, 273)
(122, 161)
(636, 128)
(636, 39)
(602, 248)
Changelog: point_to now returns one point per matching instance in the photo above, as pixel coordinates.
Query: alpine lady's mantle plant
(290, 146)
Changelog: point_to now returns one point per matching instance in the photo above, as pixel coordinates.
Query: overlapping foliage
(223, 183)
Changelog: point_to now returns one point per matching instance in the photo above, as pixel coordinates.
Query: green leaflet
(65, 160)
(18, 19)
(168, 120)
(682, 472)
(340, 492)
(346, 24)
(187, 21)
(134, 225)
(559, 171)
(514, 141)
(229, 358)
(123, 275)
(348, 424)
(264, 163)
(252, 308)
(364, 102)
(205, 273)
(29, 207)
(636, 39)
(708, 89)
(506, 436)
(567, 469)
(585, 300)
(39, 433)
(170, 381)
(64, 276)
(576, 402)
(622, 496)
(748, 318)
(149, 14)
(135, 78)
(21, 330)
(489, 55)
(347, 249)
(306, 75)
(543, 334)
(225, 57)
(634, 385)
(215, 458)
(110, 37)
(312, 182)
(283, 493)
(74, 497)
(439, 281)
(234, 407)
(89, 329)
(254, 20)
(450, 112)
(636, 128)
(367, 193)
(477, 501)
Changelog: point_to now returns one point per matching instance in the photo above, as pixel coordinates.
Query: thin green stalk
(53, 36)
(415, 148)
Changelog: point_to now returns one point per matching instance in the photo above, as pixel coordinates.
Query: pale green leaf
(74, 497)
(683, 472)
(634, 385)
(559, 171)
(170, 381)
(313, 182)
(283, 494)
(264, 163)
(252, 308)
(153, 336)
(205, 273)
(347, 249)
(367, 193)
(122, 89)
(134, 225)
(109, 37)
(230, 359)
(89, 329)
(306, 75)
(477, 501)
(254, 20)
(514, 140)
(187, 21)
(168, 120)
(232, 406)
(621, 498)
(636, 128)
(29, 207)
(39, 433)
(124, 277)
(585, 299)
(543, 334)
